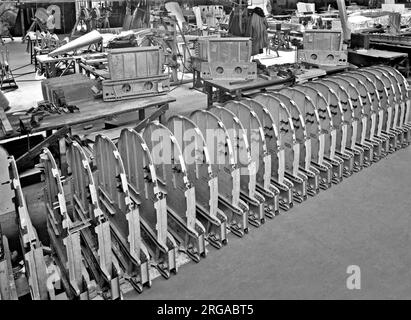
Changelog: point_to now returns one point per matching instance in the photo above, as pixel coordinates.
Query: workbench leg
(53, 70)
(80, 69)
(76, 67)
(194, 79)
(209, 91)
(35, 59)
(141, 114)
(197, 80)
(162, 118)
(220, 95)
(238, 94)
(23, 30)
(30, 45)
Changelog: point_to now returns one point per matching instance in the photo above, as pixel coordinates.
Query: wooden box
(323, 40)
(229, 50)
(135, 63)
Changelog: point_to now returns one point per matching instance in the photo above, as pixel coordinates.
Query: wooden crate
(323, 40)
(135, 63)
(228, 50)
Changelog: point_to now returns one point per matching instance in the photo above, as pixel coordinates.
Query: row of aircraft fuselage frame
(136, 201)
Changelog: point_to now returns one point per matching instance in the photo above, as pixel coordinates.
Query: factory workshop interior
(205, 149)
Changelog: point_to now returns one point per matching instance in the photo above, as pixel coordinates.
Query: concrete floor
(302, 254)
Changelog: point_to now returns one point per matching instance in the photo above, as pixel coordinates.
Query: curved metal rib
(123, 214)
(173, 179)
(201, 175)
(248, 168)
(223, 163)
(146, 193)
(276, 152)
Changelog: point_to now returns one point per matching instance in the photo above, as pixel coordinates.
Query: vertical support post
(343, 17)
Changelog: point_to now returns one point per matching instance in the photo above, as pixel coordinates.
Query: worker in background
(238, 21)
(374, 4)
(257, 31)
(51, 22)
(94, 18)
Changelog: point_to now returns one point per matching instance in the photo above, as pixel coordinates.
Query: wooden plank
(6, 126)
(91, 111)
(254, 84)
(6, 274)
(374, 53)
(35, 151)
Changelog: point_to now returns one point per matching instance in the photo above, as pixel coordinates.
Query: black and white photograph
(200, 156)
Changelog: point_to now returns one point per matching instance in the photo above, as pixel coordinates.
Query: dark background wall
(68, 13)
(68, 16)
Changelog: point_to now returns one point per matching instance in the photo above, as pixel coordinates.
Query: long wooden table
(90, 111)
(51, 65)
(93, 116)
(365, 58)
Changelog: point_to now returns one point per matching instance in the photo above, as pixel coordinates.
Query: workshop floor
(304, 254)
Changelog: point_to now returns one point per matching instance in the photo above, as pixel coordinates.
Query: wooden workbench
(33, 40)
(94, 115)
(379, 54)
(92, 111)
(224, 86)
(50, 65)
(365, 58)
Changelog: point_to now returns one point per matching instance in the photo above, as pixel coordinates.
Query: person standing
(237, 24)
(51, 22)
(257, 31)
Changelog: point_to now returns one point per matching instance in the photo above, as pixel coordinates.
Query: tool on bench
(35, 115)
